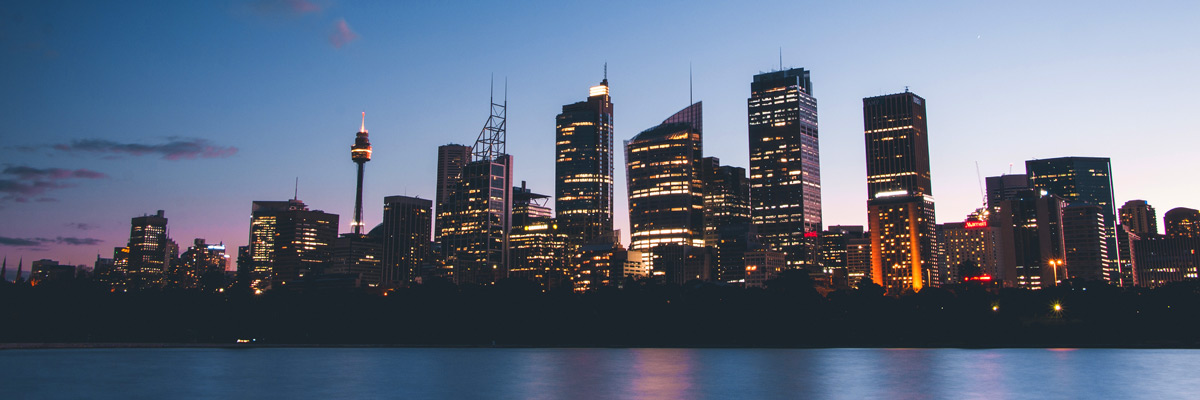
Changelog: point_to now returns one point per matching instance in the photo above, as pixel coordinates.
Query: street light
(1054, 264)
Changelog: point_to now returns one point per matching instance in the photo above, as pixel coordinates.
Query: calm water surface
(599, 373)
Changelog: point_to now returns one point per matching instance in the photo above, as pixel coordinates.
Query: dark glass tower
(288, 242)
(584, 168)
(666, 190)
(785, 167)
(1081, 180)
(727, 227)
(900, 207)
(451, 160)
(360, 153)
(406, 223)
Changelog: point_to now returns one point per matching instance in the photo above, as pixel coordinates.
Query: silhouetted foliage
(789, 312)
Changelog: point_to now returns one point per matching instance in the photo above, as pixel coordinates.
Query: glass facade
(785, 165)
(583, 189)
(666, 199)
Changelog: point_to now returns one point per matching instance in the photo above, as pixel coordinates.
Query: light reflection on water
(599, 373)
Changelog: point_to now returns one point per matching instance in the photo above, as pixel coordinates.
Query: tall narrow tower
(785, 165)
(583, 187)
(900, 207)
(360, 153)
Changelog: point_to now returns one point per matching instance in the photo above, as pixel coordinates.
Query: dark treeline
(788, 313)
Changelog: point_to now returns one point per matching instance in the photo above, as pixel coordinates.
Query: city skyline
(203, 154)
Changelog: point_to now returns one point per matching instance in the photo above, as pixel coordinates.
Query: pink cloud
(342, 34)
(294, 7)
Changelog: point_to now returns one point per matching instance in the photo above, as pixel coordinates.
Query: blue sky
(110, 110)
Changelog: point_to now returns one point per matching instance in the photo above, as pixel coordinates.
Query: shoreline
(247, 346)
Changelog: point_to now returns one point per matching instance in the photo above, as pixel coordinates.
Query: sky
(113, 110)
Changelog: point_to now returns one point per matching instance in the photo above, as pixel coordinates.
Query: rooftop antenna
(606, 70)
(689, 83)
(781, 58)
(981, 191)
(1010, 168)
(296, 191)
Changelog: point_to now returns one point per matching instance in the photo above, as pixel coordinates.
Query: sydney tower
(360, 152)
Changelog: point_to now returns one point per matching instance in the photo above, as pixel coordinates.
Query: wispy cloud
(292, 7)
(175, 149)
(19, 183)
(80, 226)
(36, 242)
(342, 34)
(30, 173)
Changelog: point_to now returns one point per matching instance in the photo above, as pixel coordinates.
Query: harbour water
(520, 373)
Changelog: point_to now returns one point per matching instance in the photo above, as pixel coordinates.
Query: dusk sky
(114, 109)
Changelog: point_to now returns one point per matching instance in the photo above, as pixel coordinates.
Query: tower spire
(20, 265)
(4, 270)
(360, 153)
(690, 84)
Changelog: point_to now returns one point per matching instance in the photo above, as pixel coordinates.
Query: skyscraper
(1182, 222)
(451, 160)
(1031, 240)
(727, 218)
(973, 240)
(288, 242)
(406, 222)
(478, 219)
(1004, 187)
(360, 153)
(583, 166)
(666, 190)
(1085, 243)
(537, 245)
(1138, 217)
(900, 207)
(1081, 180)
(785, 165)
(148, 258)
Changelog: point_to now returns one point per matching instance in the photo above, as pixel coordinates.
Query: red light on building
(811, 234)
(975, 224)
(981, 278)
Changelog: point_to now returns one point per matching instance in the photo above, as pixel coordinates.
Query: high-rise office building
(666, 190)
(1085, 243)
(1031, 240)
(900, 206)
(148, 251)
(727, 228)
(1004, 187)
(975, 241)
(406, 223)
(202, 266)
(288, 242)
(360, 153)
(537, 244)
(1081, 180)
(1164, 259)
(785, 166)
(1182, 222)
(1138, 217)
(356, 260)
(451, 160)
(478, 219)
(726, 198)
(583, 186)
